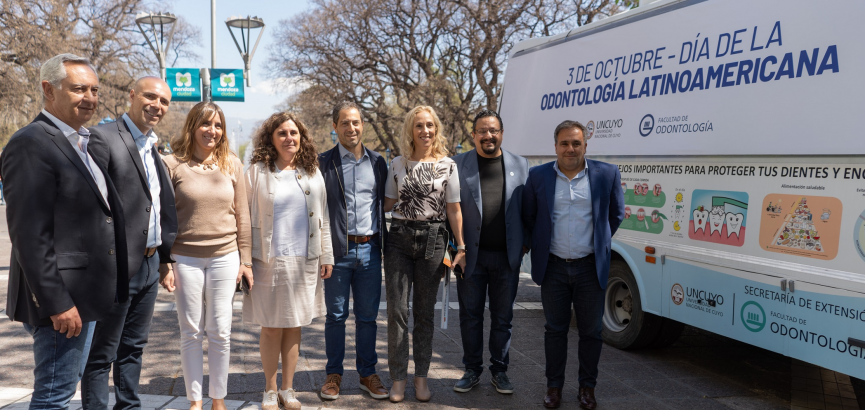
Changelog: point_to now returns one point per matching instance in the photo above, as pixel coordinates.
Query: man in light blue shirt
(354, 177)
(572, 207)
(126, 149)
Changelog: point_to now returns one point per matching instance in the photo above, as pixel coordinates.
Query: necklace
(208, 165)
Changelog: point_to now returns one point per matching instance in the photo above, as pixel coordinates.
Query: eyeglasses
(494, 132)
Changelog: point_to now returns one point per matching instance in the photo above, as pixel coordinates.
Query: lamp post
(160, 43)
(459, 149)
(247, 23)
(333, 137)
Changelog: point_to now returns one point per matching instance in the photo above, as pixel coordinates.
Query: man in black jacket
(126, 149)
(354, 177)
(68, 264)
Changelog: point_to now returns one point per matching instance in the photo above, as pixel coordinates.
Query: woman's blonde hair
(183, 144)
(439, 147)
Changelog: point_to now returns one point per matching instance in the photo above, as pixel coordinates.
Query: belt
(148, 252)
(362, 238)
(556, 258)
(433, 232)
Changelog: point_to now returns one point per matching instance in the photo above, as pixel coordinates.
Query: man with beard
(68, 264)
(355, 178)
(126, 149)
(491, 184)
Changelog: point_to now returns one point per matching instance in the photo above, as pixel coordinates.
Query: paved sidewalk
(702, 370)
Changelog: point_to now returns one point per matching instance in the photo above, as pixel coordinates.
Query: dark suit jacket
(608, 210)
(113, 147)
(330, 164)
(66, 242)
(516, 171)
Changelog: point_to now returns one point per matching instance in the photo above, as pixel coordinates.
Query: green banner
(226, 84)
(185, 84)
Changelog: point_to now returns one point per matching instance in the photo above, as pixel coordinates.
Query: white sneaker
(269, 401)
(287, 399)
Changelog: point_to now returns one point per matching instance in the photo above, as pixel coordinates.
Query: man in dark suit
(491, 189)
(354, 177)
(572, 207)
(126, 149)
(66, 227)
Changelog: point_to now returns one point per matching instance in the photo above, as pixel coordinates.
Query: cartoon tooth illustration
(700, 216)
(624, 187)
(656, 216)
(734, 223)
(641, 214)
(716, 220)
(627, 212)
(657, 190)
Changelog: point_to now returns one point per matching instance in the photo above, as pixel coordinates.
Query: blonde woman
(423, 190)
(212, 248)
(291, 248)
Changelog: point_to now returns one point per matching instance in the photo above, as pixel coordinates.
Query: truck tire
(626, 326)
(668, 333)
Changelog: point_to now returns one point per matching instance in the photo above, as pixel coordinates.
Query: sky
(262, 96)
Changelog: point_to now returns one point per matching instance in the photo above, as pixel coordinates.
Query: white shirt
(290, 220)
(573, 232)
(145, 144)
(73, 136)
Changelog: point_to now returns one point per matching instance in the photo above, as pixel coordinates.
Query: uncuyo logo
(184, 79)
(226, 80)
(677, 294)
(590, 127)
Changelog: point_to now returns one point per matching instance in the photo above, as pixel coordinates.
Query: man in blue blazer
(491, 185)
(572, 207)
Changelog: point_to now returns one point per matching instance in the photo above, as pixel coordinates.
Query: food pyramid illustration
(798, 229)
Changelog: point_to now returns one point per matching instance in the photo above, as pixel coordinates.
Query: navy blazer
(68, 244)
(330, 164)
(516, 172)
(608, 211)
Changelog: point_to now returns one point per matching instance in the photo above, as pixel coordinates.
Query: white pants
(204, 296)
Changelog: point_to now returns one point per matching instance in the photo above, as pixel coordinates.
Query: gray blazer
(516, 172)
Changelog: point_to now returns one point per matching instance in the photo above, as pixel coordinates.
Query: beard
(489, 150)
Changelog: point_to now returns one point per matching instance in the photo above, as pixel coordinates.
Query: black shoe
(470, 379)
(502, 383)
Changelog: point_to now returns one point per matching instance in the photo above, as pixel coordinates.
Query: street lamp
(459, 148)
(333, 137)
(160, 43)
(247, 23)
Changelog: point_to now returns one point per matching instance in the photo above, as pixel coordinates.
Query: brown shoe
(330, 390)
(553, 399)
(372, 385)
(587, 398)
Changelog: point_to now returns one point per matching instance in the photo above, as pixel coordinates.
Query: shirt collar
(141, 140)
(64, 128)
(344, 152)
(580, 175)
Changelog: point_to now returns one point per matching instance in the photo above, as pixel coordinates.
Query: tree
(32, 31)
(391, 55)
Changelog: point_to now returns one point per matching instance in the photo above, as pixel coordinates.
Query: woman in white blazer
(291, 248)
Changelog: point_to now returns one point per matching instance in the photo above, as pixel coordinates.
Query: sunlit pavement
(701, 371)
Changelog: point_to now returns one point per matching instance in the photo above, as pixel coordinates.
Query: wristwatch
(247, 264)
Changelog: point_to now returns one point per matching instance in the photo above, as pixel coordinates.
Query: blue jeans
(59, 365)
(119, 338)
(358, 272)
(567, 283)
(492, 274)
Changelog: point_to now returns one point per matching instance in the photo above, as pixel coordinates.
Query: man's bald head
(150, 98)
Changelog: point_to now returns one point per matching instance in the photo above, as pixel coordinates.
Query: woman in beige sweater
(212, 249)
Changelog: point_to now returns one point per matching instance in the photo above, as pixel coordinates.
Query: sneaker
(287, 400)
(269, 401)
(330, 390)
(502, 383)
(372, 385)
(470, 379)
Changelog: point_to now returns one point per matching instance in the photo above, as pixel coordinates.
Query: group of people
(99, 220)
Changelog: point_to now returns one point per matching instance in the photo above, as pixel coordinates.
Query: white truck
(737, 128)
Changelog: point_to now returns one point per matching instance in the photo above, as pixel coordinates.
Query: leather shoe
(553, 399)
(587, 398)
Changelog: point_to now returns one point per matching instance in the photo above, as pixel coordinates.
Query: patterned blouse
(422, 189)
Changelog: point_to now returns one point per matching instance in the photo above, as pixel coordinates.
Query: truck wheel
(668, 333)
(626, 326)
